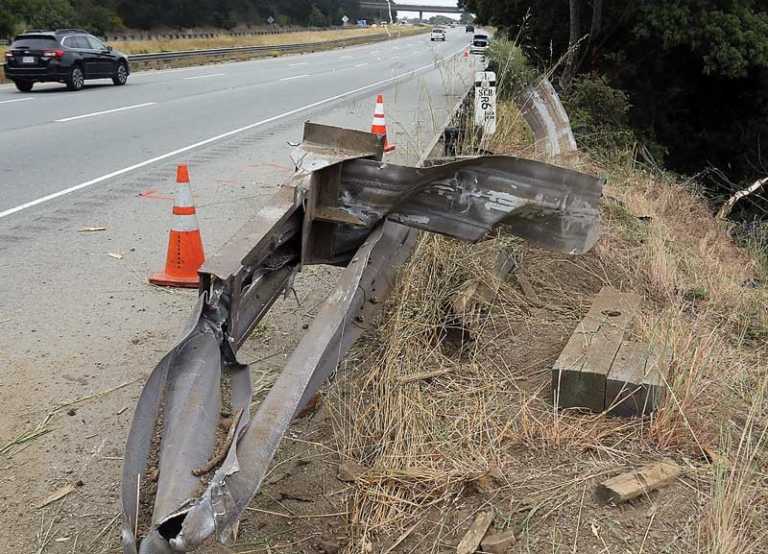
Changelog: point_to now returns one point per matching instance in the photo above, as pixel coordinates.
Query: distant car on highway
(469, 29)
(437, 34)
(480, 43)
(69, 56)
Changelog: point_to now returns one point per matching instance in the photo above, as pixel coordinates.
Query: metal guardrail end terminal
(342, 207)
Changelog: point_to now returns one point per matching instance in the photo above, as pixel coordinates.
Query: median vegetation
(227, 41)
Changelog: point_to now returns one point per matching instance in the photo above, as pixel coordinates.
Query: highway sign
(485, 101)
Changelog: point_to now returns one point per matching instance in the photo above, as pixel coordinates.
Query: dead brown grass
(485, 434)
(151, 46)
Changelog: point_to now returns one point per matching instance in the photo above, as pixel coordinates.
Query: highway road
(53, 141)
(77, 317)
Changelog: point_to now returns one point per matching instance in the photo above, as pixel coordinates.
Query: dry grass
(151, 46)
(485, 433)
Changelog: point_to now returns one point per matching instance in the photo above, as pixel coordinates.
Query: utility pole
(389, 5)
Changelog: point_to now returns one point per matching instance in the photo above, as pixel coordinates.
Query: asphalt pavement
(78, 321)
(53, 142)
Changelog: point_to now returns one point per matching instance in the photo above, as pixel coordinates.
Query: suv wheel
(121, 74)
(24, 86)
(76, 79)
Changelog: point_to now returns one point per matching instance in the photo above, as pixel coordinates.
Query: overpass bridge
(401, 6)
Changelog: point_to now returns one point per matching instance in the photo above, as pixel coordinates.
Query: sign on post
(345, 20)
(270, 20)
(485, 101)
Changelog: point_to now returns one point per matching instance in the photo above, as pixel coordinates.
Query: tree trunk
(597, 19)
(595, 31)
(570, 60)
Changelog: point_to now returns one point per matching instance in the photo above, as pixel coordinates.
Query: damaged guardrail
(343, 206)
(545, 115)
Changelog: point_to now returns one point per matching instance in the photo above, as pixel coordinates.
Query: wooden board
(476, 533)
(580, 374)
(636, 382)
(636, 483)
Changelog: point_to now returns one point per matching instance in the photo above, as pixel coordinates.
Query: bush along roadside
(601, 119)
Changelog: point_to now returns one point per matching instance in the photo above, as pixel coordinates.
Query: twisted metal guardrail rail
(343, 206)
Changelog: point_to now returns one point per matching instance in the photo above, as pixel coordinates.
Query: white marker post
(485, 102)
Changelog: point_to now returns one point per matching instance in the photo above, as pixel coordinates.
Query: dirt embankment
(441, 416)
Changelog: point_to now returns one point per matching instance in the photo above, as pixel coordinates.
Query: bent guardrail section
(545, 115)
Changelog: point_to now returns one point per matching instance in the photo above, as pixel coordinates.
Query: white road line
(295, 64)
(151, 72)
(362, 64)
(94, 114)
(334, 70)
(15, 100)
(207, 76)
(294, 77)
(205, 142)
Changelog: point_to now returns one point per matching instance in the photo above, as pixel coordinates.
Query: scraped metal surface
(343, 206)
(235, 483)
(552, 207)
(545, 115)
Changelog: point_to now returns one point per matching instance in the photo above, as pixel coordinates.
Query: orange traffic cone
(379, 125)
(185, 245)
(466, 52)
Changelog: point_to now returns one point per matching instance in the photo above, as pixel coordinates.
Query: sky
(427, 15)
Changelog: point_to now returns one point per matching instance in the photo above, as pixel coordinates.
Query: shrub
(599, 114)
(513, 74)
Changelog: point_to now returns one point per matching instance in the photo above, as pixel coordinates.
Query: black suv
(68, 56)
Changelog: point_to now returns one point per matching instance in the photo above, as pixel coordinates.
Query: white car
(480, 43)
(437, 34)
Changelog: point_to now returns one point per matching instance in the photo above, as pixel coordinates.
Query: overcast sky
(427, 15)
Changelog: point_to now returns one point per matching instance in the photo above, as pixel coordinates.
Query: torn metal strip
(236, 482)
(139, 441)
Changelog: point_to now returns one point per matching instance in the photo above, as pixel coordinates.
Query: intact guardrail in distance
(254, 49)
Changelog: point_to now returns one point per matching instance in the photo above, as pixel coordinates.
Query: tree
(573, 43)
(8, 21)
(317, 18)
(227, 13)
(35, 13)
(441, 20)
(695, 71)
